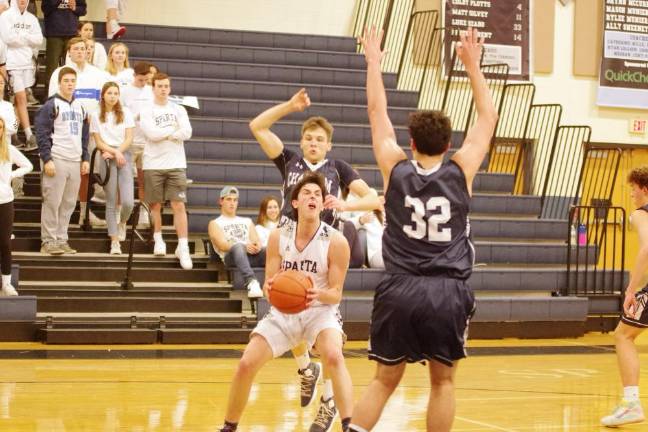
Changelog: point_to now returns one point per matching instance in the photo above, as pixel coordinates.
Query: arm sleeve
(11, 123)
(44, 125)
(49, 6)
(19, 159)
(9, 36)
(94, 123)
(282, 160)
(346, 172)
(35, 36)
(53, 84)
(152, 132)
(184, 126)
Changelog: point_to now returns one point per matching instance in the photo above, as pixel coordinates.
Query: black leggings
(6, 227)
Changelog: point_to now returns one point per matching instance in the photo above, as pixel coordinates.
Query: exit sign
(638, 126)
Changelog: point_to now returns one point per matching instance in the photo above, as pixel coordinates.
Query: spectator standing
(236, 241)
(112, 129)
(61, 23)
(9, 156)
(21, 32)
(166, 127)
(268, 218)
(118, 67)
(99, 58)
(136, 96)
(62, 133)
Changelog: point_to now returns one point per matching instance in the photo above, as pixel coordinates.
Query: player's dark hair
(639, 176)
(308, 178)
(430, 131)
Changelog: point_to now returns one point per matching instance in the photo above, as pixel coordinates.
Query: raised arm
(260, 126)
(477, 142)
(383, 137)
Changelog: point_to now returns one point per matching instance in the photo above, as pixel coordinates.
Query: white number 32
(419, 227)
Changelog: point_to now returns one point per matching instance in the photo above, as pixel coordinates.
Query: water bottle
(582, 234)
(573, 238)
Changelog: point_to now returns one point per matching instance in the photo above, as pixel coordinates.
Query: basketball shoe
(626, 413)
(326, 415)
(309, 379)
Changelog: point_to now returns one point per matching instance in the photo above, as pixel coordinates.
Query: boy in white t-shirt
(236, 241)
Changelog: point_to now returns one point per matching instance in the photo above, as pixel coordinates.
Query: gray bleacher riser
(268, 73)
(18, 308)
(243, 54)
(250, 196)
(232, 37)
(528, 253)
(242, 150)
(15, 275)
(269, 174)
(273, 91)
(492, 309)
(248, 109)
(289, 131)
(521, 229)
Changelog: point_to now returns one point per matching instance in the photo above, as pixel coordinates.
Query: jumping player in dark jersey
(315, 143)
(634, 318)
(423, 305)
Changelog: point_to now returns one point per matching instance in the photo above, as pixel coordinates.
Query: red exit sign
(638, 126)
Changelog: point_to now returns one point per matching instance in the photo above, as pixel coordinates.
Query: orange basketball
(288, 293)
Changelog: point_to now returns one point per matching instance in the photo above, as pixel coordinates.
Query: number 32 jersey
(428, 230)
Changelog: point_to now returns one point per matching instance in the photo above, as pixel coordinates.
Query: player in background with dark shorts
(422, 306)
(634, 319)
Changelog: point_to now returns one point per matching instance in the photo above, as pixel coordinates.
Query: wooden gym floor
(507, 385)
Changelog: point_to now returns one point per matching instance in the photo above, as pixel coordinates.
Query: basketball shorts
(21, 79)
(419, 318)
(285, 331)
(640, 316)
(165, 185)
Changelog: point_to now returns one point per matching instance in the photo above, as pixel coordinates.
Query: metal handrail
(127, 283)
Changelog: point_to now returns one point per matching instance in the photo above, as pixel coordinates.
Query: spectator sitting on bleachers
(112, 129)
(152, 71)
(90, 81)
(114, 8)
(135, 97)
(267, 219)
(118, 68)
(62, 133)
(166, 127)
(9, 156)
(61, 24)
(373, 225)
(236, 241)
(21, 32)
(99, 58)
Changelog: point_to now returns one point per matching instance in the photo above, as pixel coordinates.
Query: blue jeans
(238, 257)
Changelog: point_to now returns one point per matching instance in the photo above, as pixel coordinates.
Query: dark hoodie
(60, 21)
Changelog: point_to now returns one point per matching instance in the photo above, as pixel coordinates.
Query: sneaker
(183, 254)
(8, 290)
(51, 248)
(31, 100)
(65, 247)
(309, 379)
(143, 221)
(325, 416)
(120, 32)
(121, 231)
(115, 248)
(625, 413)
(254, 289)
(159, 248)
(30, 144)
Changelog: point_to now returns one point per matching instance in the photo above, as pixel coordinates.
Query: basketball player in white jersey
(316, 249)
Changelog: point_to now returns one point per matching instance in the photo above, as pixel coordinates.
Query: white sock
(114, 25)
(630, 393)
(28, 132)
(115, 242)
(6, 280)
(183, 242)
(327, 392)
(157, 236)
(303, 361)
(357, 428)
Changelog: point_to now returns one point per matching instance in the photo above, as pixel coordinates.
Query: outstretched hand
(300, 100)
(469, 49)
(371, 40)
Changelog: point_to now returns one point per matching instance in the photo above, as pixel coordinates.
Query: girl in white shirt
(99, 58)
(112, 128)
(118, 67)
(269, 212)
(9, 156)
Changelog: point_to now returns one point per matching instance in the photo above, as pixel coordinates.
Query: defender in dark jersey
(423, 305)
(634, 318)
(315, 143)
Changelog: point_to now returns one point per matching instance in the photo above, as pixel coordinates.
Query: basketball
(288, 293)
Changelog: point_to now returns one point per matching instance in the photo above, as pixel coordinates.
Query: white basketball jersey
(313, 260)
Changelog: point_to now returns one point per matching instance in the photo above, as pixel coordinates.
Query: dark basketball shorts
(640, 316)
(420, 318)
